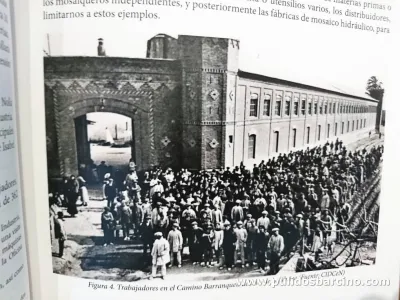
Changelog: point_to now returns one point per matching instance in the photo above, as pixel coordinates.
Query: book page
(216, 149)
(14, 280)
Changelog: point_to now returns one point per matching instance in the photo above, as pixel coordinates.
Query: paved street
(87, 257)
(116, 157)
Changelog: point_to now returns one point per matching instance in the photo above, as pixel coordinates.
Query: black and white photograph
(195, 156)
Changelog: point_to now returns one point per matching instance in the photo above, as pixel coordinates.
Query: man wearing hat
(260, 244)
(334, 205)
(246, 222)
(107, 224)
(273, 194)
(206, 211)
(275, 245)
(207, 246)
(194, 243)
(264, 220)
(175, 243)
(146, 207)
(60, 233)
(217, 216)
(237, 212)
(300, 231)
(301, 204)
(146, 232)
(325, 200)
(125, 214)
(250, 242)
(110, 191)
(228, 245)
(326, 225)
(160, 255)
(188, 216)
(172, 219)
(241, 239)
(155, 213)
(312, 197)
(131, 183)
(137, 215)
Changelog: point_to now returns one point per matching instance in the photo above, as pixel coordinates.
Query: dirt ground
(86, 257)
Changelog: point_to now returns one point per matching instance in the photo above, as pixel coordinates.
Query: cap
(239, 223)
(175, 224)
(249, 215)
(227, 223)
(264, 212)
(275, 229)
(299, 216)
(194, 223)
(158, 234)
(206, 205)
(238, 201)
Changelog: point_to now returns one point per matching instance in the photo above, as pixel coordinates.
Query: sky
(291, 50)
(104, 121)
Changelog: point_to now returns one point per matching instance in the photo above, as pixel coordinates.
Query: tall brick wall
(148, 91)
(209, 70)
(190, 53)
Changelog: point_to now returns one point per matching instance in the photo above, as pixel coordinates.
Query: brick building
(191, 106)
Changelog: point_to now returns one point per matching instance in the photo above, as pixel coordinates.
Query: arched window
(267, 105)
(252, 146)
(288, 100)
(254, 105)
(278, 104)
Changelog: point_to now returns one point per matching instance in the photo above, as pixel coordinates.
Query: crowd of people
(234, 217)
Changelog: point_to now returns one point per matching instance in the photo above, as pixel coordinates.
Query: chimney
(101, 51)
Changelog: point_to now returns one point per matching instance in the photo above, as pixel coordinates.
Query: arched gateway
(140, 89)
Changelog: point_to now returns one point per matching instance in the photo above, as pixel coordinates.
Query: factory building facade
(192, 106)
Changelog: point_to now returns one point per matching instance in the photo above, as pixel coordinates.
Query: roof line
(260, 77)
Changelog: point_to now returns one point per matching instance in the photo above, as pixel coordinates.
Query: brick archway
(70, 118)
(147, 91)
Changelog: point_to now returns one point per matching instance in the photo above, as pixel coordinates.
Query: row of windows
(355, 125)
(302, 107)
